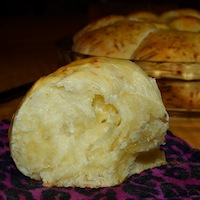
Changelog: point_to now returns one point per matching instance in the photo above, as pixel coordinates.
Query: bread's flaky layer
(92, 123)
(171, 37)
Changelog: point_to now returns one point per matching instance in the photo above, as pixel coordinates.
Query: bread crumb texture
(92, 123)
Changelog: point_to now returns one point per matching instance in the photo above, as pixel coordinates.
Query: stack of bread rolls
(165, 46)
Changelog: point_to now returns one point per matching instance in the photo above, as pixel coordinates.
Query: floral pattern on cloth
(178, 180)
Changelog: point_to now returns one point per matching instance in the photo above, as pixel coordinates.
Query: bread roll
(92, 123)
(172, 37)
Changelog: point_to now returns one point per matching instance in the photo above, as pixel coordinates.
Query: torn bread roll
(92, 123)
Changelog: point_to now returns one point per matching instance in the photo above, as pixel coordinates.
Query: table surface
(28, 51)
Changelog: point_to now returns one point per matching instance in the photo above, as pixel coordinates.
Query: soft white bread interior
(92, 123)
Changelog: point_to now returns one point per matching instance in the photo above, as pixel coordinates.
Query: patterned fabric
(180, 179)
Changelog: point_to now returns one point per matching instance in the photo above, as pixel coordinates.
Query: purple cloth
(180, 179)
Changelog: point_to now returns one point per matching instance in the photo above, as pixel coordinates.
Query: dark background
(61, 7)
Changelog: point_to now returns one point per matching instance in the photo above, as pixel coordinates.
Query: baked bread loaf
(171, 38)
(92, 123)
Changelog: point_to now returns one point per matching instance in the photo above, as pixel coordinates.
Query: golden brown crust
(168, 45)
(174, 14)
(98, 24)
(186, 23)
(108, 41)
(147, 16)
(171, 37)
